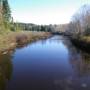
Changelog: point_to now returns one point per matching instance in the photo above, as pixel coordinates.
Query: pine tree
(1, 16)
(6, 14)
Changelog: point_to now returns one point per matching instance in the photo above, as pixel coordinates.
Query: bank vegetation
(15, 33)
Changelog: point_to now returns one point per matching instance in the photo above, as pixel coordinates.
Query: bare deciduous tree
(80, 23)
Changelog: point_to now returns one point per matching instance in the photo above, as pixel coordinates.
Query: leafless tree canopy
(80, 23)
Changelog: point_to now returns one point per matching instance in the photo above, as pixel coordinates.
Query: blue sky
(45, 11)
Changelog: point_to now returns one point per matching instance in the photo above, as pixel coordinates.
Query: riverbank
(82, 43)
(10, 40)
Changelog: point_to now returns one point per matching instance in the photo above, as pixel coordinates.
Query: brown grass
(9, 40)
(85, 39)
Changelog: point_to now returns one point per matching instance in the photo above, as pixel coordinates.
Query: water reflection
(79, 59)
(52, 64)
(80, 62)
(5, 69)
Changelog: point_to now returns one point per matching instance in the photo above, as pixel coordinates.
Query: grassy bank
(12, 39)
(85, 39)
(82, 43)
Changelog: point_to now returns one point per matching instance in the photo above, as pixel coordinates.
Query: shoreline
(11, 40)
(81, 44)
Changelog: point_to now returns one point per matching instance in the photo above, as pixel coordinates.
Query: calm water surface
(51, 64)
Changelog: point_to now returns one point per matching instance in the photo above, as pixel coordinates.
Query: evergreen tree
(6, 14)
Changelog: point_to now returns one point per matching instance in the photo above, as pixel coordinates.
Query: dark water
(51, 64)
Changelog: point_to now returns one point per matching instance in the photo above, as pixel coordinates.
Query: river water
(51, 64)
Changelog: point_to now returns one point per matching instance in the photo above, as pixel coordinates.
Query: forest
(78, 29)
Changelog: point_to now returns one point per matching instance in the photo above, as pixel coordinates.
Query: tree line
(78, 26)
(80, 23)
(7, 23)
(35, 27)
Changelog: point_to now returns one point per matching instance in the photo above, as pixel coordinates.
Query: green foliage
(6, 11)
(6, 14)
(32, 27)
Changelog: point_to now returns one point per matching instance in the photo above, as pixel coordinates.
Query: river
(49, 64)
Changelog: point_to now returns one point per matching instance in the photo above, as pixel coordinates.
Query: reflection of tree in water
(43, 41)
(56, 39)
(85, 64)
(80, 63)
(79, 60)
(5, 69)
